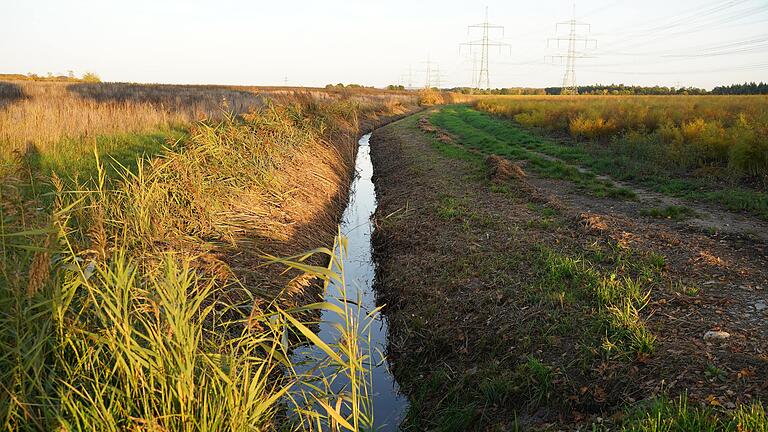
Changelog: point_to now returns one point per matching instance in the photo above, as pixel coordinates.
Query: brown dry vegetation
(56, 116)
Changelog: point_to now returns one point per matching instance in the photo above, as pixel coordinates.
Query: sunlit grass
(708, 148)
(481, 133)
(115, 315)
(678, 415)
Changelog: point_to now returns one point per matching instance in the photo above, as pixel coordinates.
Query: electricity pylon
(406, 78)
(429, 73)
(438, 78)
(485, 43)
(410, 77)
(569, 79)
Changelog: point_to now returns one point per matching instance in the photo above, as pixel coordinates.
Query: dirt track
(469, 307)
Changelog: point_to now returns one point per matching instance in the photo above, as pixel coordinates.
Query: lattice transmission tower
(429, 73)
(574, 37)
(485, 42)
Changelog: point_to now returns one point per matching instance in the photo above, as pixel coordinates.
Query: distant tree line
(621, 89)
(347, 86)
(500, 91)
(742, 89)
(69, 77)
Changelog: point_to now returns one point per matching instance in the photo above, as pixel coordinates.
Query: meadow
(676, 144)
(141, 236)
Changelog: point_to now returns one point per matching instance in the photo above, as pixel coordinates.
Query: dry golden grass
(150, 280)
(46, 113)
(60, 123)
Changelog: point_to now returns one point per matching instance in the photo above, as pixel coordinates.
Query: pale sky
(681, 42)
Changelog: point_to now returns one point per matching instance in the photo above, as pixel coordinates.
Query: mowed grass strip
(710, 149)
(482, 133)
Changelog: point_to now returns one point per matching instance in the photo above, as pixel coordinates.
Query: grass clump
(614, 302)
(450, 208)
(677, 415)
(537, 378)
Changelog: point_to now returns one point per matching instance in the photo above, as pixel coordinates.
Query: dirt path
(496, 296)
(705, 218)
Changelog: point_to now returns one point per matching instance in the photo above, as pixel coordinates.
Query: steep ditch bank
(146, 303)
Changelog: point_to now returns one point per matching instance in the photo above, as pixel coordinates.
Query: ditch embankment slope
(149, 289)
(509, 307)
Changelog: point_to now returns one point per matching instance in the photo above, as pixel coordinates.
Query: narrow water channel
(359, 272)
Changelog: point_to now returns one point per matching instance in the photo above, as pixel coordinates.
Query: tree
(91, 77)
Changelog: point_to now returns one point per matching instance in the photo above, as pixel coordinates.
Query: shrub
(91, 77)
(535, 118)
(748, 156)
(430, 97)
(592, 128)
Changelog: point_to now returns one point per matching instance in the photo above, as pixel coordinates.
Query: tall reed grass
(154, 301)
(62, 121)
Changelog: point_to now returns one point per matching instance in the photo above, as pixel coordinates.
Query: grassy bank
(489, 136)
(144, 297)
(509, 310)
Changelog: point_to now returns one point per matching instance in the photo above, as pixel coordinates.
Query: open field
(60, 123)
(544, 263)
(711, 148)
(136, 285)
(527, 291)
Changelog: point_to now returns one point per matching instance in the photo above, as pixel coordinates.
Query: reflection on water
(359, 273)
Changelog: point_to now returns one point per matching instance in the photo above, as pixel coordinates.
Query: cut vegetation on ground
(519, 297)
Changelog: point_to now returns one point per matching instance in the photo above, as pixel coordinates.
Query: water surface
(360, 272)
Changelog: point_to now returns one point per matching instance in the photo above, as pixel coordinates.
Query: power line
(406, 78)
(432, 77)
(485, 43)
(747, 67)
(690, 24)
(437, 77)
(569, 79)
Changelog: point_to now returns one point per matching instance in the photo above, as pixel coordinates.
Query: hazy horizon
(232, 42)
